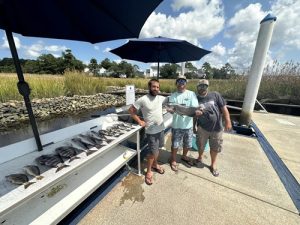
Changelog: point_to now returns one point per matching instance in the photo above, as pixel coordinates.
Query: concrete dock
(248, 190)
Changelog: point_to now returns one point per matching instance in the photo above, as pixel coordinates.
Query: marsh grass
(81, 84)
(74, 83)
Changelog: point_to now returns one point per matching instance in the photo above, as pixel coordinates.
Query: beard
(153, 93)
(202, 92)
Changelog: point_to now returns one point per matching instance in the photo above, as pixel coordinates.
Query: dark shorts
(182, 138)
(155, 142)
(215, 139)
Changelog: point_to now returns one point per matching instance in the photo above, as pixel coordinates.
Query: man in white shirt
(151, 107)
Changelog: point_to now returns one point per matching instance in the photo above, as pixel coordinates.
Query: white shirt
(151, 107)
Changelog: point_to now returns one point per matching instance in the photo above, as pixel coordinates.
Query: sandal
(148, 179)
(159, 170)
(198, 163)
(214, 172)
(187, 162)
(174, 166)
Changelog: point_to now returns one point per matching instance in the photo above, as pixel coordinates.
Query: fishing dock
(249, 189)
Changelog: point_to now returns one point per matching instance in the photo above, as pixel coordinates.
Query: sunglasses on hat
(181, 81)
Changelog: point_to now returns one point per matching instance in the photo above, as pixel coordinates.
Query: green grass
(73, 83)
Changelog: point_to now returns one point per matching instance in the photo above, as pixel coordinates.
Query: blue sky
(228, 28)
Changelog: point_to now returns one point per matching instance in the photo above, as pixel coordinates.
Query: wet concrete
(133, 190)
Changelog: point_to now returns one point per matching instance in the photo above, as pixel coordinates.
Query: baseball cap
(181, 77)
(203, 81)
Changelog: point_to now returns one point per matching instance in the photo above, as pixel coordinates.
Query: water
(25, 131)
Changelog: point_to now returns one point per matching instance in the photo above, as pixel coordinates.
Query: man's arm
(226, 115)
(132, 110)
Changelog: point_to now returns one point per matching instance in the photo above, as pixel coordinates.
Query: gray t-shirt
(211, 120)
(151, 107)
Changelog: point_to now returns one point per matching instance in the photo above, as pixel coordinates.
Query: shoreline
(14, 113)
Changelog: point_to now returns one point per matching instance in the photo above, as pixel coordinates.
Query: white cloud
(5, 42)
(35, 50)
(215, 58)
(218, 49)
(55, 48)
(118, 60)
(96, 47)
(243, 29)
(187, 25)
(106, 50)
(286, 36)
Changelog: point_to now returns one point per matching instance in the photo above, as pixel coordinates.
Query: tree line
(48, 64)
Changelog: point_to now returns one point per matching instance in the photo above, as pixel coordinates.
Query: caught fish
(88, 138)
(67, 152)
(85, 146)
(19, 178)
(33, 171)
(182, 110)
(52, 160)
(103, 137)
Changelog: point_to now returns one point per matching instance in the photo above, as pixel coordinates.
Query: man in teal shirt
(182, 126)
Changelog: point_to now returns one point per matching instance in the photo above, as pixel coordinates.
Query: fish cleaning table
(49, 200)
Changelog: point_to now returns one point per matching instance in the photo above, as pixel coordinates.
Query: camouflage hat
(181, 77)
(203, 81)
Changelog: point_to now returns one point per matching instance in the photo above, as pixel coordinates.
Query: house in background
(152, 72)
(100, 72)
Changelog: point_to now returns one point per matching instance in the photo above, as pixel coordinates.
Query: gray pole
(258, 62)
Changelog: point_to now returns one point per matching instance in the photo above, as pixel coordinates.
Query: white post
(182, 68)
(130, 94)
(258, 62)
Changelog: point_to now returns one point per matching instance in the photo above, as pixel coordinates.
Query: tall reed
(74, 83)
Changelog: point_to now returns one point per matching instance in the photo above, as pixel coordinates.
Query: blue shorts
(155, 142)
(182, 138)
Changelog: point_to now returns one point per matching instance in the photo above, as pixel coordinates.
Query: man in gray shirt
(209, 123)
(151, 107)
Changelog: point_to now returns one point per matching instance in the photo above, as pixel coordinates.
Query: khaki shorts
(215, 139)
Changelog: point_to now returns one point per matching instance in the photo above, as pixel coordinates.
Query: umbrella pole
(23, 88)
(158, 70)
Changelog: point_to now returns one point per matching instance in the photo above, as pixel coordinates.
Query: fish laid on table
(68, 152)
(110, 133)
(88, 138)
(103, 137)
(52, 160)
(182, 109)
(33, 170)
(84, 145)
(99, 143)
(19, 178)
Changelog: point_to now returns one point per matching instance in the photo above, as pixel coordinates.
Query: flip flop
(148, 180)
(159, 170)
(174, 167)
(198, 163)
(188, 162)
(214, 172)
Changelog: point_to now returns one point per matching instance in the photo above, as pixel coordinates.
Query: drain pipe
(258, 62)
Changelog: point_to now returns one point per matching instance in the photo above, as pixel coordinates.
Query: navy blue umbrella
(160, 49)
(82, 20)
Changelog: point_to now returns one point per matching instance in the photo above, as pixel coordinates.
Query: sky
(228, 28)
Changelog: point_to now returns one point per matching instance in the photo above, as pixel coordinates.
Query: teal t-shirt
(187, 98)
